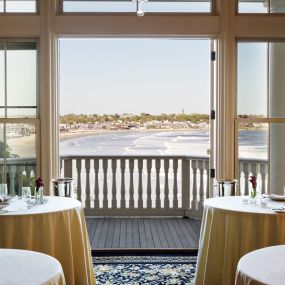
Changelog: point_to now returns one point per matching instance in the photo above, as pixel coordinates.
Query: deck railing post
(185, 184)
(166, 184)
(87, 185)
(96, 184)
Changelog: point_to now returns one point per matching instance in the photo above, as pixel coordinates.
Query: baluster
(166, 184)
(87, 188)
(29, 170)
(185, 184)
(114, 187)
(11, 174)
(78, 169)
(105, 184)
(157, 188)
(201, 190)
(140, 185)
(61, 161)
(263, 176)
(207, 167)
(19, 175)
(96, 184)
(149, 200)
(2, 174)
(246, 176)
(68, 168)
(132, 197)
(123, 184)
(175, 184)
(194, 198)
(240, 172)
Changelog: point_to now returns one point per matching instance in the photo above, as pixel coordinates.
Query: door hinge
(213, 55)
(213, 173)
(213, 115)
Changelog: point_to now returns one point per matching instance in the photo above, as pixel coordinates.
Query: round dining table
(29, 267)
(232, 228)
(262, 266)
(56, 228)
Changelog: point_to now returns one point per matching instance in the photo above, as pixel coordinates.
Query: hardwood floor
(143, 233)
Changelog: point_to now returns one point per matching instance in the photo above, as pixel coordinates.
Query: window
(261, 116)
(261, 6)
(152, 6)
(18, 6)
(18, 113)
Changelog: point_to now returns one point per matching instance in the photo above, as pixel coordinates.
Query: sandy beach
(25, 146)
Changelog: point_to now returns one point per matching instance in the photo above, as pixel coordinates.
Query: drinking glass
(3, 190)
(26, 192)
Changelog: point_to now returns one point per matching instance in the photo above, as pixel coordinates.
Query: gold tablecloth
(29, 267)
(56, 228)
(230, 229)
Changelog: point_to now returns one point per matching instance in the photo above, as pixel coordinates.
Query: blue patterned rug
(150, 270)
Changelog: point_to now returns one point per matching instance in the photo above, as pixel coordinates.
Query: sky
(107, 76)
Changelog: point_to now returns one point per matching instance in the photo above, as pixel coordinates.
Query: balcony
(122, 195)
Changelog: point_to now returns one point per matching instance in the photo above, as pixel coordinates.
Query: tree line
(141, 118)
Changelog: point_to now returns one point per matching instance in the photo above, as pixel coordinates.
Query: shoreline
(79, 134)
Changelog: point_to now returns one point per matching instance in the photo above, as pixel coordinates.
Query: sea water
(252, 143)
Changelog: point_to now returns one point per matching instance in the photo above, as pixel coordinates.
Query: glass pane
(21, 74)
(21, 6)
(261, 146)
(178, 7)
(253, 6)
(129, 6)
(2, 154)
(21, 139)
(277, 6)
(252, 79)
(276, 79)
(21, 158)
(21, 112)
(1, 6)
(253, 153)
(2, 79)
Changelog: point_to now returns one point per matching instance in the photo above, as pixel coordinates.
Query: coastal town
(72, 123)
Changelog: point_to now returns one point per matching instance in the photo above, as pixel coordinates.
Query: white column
(48, 105)
(277, 108)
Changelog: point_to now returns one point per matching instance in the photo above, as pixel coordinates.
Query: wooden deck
(143, 233)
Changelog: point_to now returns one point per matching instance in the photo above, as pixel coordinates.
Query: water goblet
(3, 190)
(26, 192)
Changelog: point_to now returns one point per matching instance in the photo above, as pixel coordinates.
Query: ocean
(252, 143)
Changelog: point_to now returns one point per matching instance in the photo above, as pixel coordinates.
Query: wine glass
(3, 190)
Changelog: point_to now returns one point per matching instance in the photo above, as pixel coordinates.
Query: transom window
(18, 6)
(151, 6)
(261, 6)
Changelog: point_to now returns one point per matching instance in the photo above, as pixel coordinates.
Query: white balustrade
(137, 185)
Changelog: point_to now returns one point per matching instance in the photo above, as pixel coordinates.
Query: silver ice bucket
(227, 187)
(63, 186)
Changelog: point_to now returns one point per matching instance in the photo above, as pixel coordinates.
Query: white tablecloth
(262, 266)
(230, 229)
(56, 228)
(29, 267)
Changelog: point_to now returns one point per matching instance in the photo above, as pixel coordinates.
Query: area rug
(151, 270)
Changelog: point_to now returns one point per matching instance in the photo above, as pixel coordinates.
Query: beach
(141, 142)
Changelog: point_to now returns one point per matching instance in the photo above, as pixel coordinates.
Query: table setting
(51, 225)
(233, 226)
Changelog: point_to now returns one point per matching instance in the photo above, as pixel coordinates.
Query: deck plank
(149, 238)
(148, 233)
